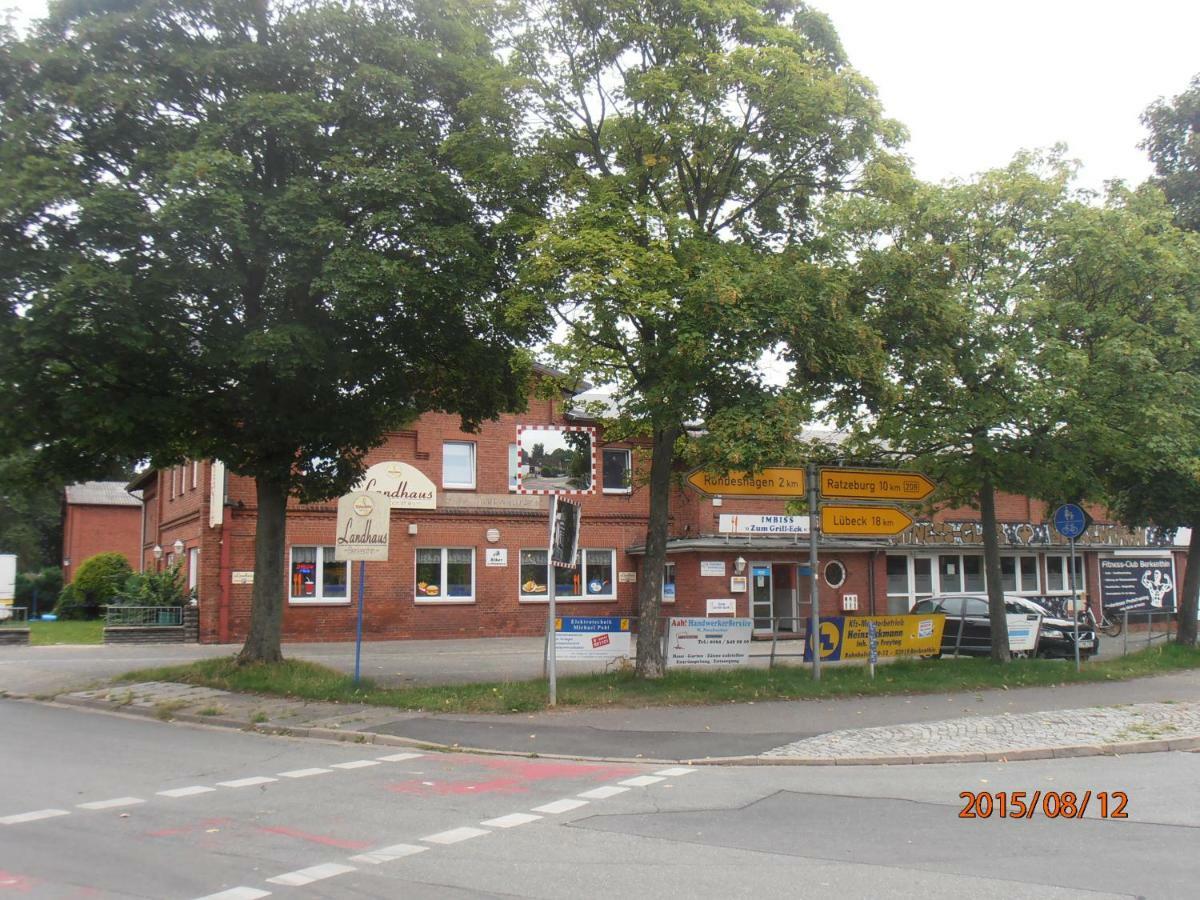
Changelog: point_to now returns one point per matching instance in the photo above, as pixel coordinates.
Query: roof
(101, 493)
(142, 479)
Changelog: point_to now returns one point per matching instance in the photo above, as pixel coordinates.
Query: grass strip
(310, 681)
(43, 632)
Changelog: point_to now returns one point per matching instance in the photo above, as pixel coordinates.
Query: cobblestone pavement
(1118, 725)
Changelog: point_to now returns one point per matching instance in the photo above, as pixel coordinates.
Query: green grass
(309, 681)
(41, 632)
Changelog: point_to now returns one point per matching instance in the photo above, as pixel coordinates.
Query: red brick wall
(88, 530)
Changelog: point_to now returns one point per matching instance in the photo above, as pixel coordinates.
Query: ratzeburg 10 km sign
(846, 520)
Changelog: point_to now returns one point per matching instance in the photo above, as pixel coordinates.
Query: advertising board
(591, 637)
(708, 643)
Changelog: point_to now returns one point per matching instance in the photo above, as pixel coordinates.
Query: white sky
(975, 81)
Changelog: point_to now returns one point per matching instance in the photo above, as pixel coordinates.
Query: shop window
(458, 464)
(617, 471)
(317, 577)
(972, 567)
(1058, 570)
(668, 586)
(445, 574)
(923, 575)
(950, 573)
(592, 578)
(897, 575)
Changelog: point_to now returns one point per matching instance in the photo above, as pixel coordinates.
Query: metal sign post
(814, 622)
(363, 532)
(1070, 520)
(563, 548)
(362, 581)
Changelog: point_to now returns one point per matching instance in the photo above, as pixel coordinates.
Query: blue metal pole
(362, 578)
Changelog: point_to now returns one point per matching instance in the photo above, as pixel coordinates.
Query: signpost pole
(814, 520)
(551, 660)
(362, 580)
(1075, 605)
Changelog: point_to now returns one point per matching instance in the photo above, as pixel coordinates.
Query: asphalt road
(103, 806)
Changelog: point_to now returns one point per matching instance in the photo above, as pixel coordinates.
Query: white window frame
(443, 598)
(628, 489)
(1062, 561)
(1021, 588)
(674, 584)
(584, 596)
(456, 485)
(318, 598)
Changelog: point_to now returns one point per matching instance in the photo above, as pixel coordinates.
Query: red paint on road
(515, 776)
(18, 884)
(322, 839)
(458, 788)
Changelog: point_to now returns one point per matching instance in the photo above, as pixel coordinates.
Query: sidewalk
(1155, 714)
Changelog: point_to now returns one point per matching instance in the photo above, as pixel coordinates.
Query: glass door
(761, 599)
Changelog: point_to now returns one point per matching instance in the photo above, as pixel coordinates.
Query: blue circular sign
(1070, 520)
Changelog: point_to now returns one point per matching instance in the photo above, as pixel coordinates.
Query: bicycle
(1110, 627)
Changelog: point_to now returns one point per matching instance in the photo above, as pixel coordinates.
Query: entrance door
(784, 594)
(761, 598)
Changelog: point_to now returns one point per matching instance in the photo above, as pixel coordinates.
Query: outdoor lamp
(157, 551)
(178, 547)
(739, 566)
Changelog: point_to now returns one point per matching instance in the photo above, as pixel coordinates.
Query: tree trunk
(649, 643)
(266, 605)
(1186, 633)
(997, 614)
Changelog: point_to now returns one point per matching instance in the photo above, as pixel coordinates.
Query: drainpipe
(226, 579)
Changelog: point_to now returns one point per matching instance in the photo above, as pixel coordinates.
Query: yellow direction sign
(775, 481)
(863, 521)
(874, 484)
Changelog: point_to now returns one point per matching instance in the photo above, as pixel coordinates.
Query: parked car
(967, 613)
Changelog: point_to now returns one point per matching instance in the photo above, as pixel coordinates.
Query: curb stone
(1157, 745)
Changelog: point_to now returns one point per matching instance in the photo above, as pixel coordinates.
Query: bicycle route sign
(1071, 520)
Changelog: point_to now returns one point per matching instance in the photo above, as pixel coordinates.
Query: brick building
(99, 517)
(474, 564)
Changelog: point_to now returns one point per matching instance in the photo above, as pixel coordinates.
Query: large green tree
(1121, 311)
(264, 233)
(689, 144)
(949, 275)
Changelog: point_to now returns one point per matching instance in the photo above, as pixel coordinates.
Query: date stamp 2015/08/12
(1049, 804)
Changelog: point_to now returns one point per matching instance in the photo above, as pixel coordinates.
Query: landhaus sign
(404, 486)
(363, 528)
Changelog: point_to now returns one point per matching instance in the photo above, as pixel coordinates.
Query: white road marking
(603, 793)
(301, 877)
(642, 781)
(237, 893)
(356, 764)
(511, 820)
(33, 816)
(247, 782)
(675, 771)
(188, 792)
(560, 806)
(387, 854)
(110, 804)
(400, 757)
(304, 773)
(454, 835)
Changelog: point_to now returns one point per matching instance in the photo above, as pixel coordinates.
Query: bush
(38, 591)
(163, 588)
(96, 581)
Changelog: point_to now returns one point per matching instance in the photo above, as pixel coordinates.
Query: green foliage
(38, 591)
(163, 588)
(97, 579)
(1174, 148)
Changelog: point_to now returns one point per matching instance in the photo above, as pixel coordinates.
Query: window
(458, 464)
(908, 579)
(193, 568)
(593, 577)
(317, 577)
(446, 574)
(950, 573)
(835, 574)
(972, 567)
(1018, 574)
(617, 469)
(668, 588)
(1058, 578)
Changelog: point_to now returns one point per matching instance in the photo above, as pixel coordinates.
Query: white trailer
(8, 578)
